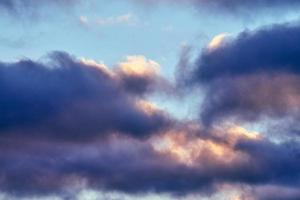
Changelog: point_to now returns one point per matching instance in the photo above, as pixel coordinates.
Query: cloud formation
(70, 99)
(69, 125)
(252, 76)
(157, 165)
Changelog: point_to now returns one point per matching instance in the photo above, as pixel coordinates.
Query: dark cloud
(141, 85)
(267, 168)
(231, 5)
(252, 98)
(145, 83)
(124, 165)
(254, 75)
(66, 98)
(39, 167)
(271, 49)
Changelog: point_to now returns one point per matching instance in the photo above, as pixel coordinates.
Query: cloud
(68, 125)
(140, 75)
(218, 41)
(122, 19)
(252, 76)
(233, 155)
(113, 165)
(191, 147)
(83, 20)
(70, 99)
(126, 19)
(274, 46)
(230, 5)
(31, 6)
(180, 161)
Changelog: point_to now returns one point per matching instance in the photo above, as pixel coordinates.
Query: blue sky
(168, 26)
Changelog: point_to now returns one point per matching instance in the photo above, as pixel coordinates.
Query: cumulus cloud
(67, 98)
(252, 76)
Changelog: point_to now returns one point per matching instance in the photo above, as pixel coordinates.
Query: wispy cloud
(121, 19)
(125, 19)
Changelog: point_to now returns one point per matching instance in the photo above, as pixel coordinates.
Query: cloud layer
(188, 163)
(230, 5)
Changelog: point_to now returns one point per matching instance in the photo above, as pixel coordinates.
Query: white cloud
(125, 19)
(83, 20)
(121, 19)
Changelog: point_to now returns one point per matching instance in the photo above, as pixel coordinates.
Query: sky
(149, 99)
